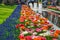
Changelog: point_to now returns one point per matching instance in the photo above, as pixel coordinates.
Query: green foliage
(49, 37)
(59, 37)
(5, 12)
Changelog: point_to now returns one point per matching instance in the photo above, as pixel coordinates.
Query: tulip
(38, 30)
(51, 31)
(17, 25)
(27, 23)
(28, 38)
(31, 17)
(35, 21)
(33, 36)
(36, 38)
(45, 27)
(22, 18)
(57, 31)
(56, 35)
(43, 38)
(22, 26)
(21, 37)
(34, 33)
(30, 30)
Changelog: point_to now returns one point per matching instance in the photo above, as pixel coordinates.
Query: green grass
(5, 12)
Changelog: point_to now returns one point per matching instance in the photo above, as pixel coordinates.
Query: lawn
(5, 12)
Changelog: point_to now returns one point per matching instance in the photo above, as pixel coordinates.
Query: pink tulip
(38, 30)
(51, 31)
(30, 30)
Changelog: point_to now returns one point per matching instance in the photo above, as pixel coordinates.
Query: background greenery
(5, 12)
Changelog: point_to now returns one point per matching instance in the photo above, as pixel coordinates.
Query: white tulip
(34, 33)
(25, 32)
(41, 34)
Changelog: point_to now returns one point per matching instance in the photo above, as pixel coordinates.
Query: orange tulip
(40, 18)
(56, 35)
(37, 17)
(22, 39)
(39, 38)
(23, 27)
(42, 22)
(27, 23)
(45, 27)
(27, 13)
(36, 38)
(50, 25)
(35, 21)
(57, 31)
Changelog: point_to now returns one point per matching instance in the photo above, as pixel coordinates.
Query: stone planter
(54, 18)
(58, 23)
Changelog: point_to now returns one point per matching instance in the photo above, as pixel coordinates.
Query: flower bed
(34, 27)
(54, 8)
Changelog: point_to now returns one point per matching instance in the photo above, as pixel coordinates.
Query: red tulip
(21, 36)
(22, 18)
(31, 17)
(21, 25)
(28, 38)
(43, 38)
(17, 25)
(35, 24)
